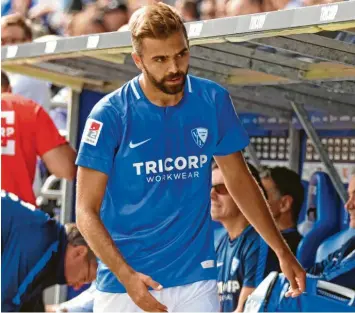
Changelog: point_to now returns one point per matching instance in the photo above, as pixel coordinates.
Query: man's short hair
(75, 238)
(157, 21)
(288, 183)
(5, 82)
(17, 19)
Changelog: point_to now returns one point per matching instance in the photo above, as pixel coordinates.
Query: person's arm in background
(21, 6)
(243, 188)
(60, 161)
(244, 294)
(54, 150)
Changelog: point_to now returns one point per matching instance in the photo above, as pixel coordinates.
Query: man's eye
(180, 55)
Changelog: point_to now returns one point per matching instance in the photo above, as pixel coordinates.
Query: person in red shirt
(27, 131)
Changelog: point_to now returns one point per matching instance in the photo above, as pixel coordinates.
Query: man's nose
(173, 67)
(213, 194)
(350, 204)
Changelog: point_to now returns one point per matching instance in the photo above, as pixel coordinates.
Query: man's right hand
(137, 285)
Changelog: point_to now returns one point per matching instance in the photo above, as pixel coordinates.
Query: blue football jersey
(157, 201)
(240, 263)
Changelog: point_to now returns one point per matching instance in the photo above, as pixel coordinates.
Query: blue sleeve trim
(35, 271)
(263, 252)
(98, 164)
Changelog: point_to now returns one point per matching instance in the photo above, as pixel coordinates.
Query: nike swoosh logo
(219, 264)
(135, 145)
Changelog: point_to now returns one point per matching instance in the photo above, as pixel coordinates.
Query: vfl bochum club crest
(235, 264)
(200, 135)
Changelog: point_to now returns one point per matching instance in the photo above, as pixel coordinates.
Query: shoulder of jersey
(199, 83)
(119, 98)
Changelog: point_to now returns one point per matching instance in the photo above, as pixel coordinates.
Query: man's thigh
(198, 297)
(114, 302)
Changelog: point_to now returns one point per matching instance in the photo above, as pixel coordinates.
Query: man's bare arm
(91, 186)
(244, 294)
(247, 194)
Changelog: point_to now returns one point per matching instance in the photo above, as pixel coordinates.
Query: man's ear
(80, 251)
(286, 203)
(137, 60)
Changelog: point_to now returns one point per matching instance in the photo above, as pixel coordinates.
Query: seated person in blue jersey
(240, 255)
(285, 194)
(339, 267)
(37, 252)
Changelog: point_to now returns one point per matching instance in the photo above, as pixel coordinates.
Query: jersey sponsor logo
(8, 133)
(135, 145)
(207, 264)
(200, 135)
(231, 286)
(183, 167)
(92, 131)
(235, 264)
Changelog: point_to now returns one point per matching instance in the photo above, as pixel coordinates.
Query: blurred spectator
(32, 88)
(115, 15)
(15, 29)
(242, 7)
(27, 131)
(134, 5)
(208, 9)
(16, 6)
(221, 8)
(89, 21)
(78, 5)
(187, 9)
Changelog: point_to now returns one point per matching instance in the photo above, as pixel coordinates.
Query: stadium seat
(323, 198)
(302, 215)
(320, 296)
(333, 243)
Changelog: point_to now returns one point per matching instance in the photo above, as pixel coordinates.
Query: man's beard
(170, 90)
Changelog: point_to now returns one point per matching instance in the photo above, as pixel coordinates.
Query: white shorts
(197, 297)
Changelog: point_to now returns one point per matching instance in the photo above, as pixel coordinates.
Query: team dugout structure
(278, 64)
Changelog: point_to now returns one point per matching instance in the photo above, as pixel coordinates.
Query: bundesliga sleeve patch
(92, 131)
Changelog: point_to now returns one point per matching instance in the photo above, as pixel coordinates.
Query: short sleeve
(101, 138)
(232, 136)
(47, 134)
(254, 270)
